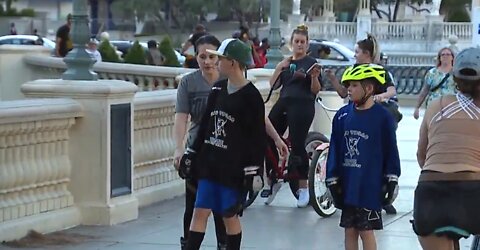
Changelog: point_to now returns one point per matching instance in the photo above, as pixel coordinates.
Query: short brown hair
(468, 87)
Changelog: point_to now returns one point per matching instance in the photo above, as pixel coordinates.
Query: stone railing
(462, 30)
(409, 80)
(34, 159)
(153, 141)
(411, 59)
(146, 77)
(331, 30)
(385, 31)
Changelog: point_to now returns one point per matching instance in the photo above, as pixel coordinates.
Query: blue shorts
(220, 199)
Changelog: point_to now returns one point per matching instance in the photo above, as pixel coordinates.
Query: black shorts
(447, 208)
(361, 219)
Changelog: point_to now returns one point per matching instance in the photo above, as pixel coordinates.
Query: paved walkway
(280, 226)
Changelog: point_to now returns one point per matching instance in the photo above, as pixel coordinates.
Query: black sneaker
(390, 209)
(183, 243)
(221, 246)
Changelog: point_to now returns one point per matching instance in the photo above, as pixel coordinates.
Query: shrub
(108, 52)
(168, 52)
(136, 54)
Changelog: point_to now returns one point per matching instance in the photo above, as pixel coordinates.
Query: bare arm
(422, 96)
(279, 143)
(315, 85)
(186, 45)
(422, 143)
(391, 92)
(179, 132)
(341, 90)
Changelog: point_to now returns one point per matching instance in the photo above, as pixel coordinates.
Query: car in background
(339, 54)
(26, 40)
(124, 46)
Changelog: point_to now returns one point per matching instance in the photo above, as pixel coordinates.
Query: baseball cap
(234, 49)
(467, 64)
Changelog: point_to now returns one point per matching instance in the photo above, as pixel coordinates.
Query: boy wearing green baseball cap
(228, 152)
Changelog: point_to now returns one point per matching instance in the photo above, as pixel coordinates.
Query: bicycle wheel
(320, 197)
(313, 140)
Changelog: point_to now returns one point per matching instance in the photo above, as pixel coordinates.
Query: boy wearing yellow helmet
(363, 164)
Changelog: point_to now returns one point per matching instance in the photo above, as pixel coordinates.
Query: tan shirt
(450, 136)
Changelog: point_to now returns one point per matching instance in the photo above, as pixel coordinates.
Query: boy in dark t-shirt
(63, 41)
(229, 148)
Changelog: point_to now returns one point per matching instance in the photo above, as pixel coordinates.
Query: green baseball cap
(234, 49)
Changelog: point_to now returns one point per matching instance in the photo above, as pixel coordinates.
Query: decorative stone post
(364, 20)
(274, 55)
(476, 23)
(79, 62)
(328, 8)
(295, 18)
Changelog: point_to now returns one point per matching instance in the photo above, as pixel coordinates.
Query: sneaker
(275, 188)
(390, 209)
(303, 197)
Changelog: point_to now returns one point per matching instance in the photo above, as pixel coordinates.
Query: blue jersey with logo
(363, 149)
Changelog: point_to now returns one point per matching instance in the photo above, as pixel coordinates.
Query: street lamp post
(79, 62)
(274, 55)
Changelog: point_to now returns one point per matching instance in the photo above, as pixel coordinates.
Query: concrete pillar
(364, 7)
(364, 20)
(328, 8)
(100, 149)
(476, 23)
(296, 7)
(274, 56)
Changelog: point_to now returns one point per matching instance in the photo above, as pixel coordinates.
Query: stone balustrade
(146, 77)
(153, 143)
(34, 160)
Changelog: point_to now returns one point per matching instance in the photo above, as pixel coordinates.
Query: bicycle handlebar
(320, 101)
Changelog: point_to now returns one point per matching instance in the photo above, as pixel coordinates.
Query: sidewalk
(280, 226)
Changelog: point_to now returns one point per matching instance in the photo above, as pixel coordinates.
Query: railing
(34, 162)
(411, 59)
(462, 30)
(154, 144)
(400, 30)
(332, 30)
(146, 77)
(409, 80)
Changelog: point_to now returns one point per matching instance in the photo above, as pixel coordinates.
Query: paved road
(280, 226)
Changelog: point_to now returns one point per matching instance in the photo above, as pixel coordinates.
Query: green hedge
(108, 52)
(168, 52)
(136, 54)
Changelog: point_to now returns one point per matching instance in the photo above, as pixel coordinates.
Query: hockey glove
(335, 187)
(187, 163)
(389, 189)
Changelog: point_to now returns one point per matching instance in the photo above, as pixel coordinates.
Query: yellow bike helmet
(361, 72)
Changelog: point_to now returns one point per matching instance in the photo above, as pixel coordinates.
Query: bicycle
(320, 197)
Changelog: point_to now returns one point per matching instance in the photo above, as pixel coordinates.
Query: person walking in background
(13, 30)
(154, 57)
(63, 41)
(438, 80)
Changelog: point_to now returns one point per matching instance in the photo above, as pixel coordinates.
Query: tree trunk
(395, 11)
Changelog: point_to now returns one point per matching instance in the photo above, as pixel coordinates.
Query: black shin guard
(195, 240)
(233, 241)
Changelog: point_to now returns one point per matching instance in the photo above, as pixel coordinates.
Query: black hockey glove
(335, 187)
(389, 189)
(187, 163)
